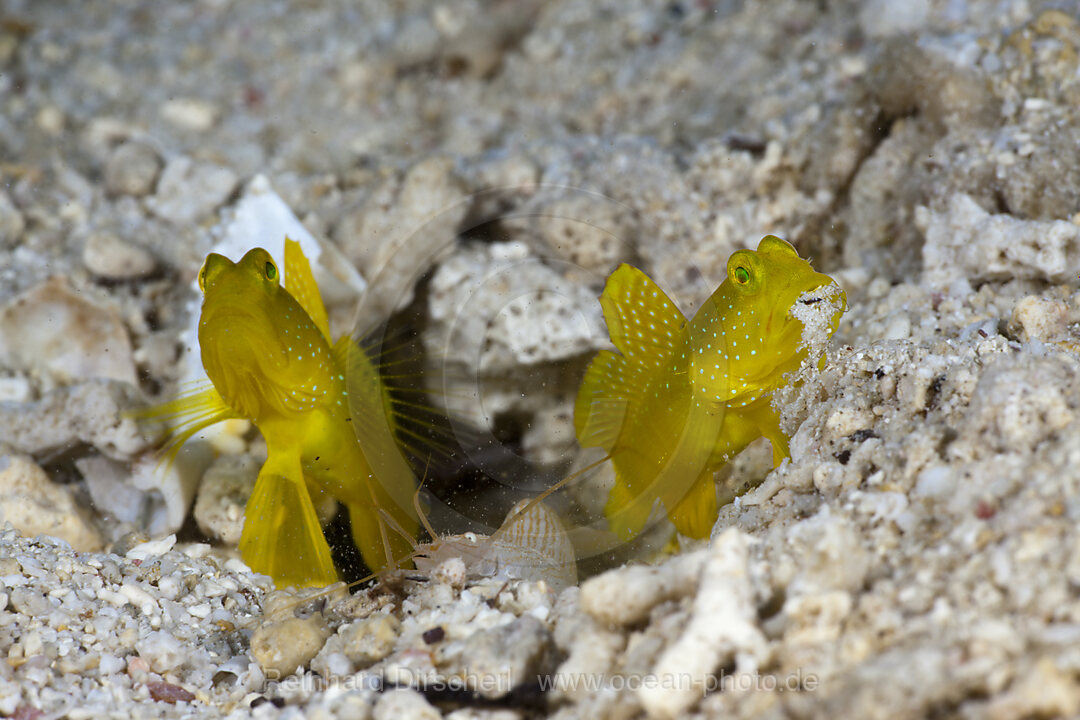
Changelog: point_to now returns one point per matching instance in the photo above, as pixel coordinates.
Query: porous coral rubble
(918, 554)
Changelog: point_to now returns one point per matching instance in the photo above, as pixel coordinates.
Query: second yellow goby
(681, 397)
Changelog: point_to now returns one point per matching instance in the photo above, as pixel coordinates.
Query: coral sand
(485, 166)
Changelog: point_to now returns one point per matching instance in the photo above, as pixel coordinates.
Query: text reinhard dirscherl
(496, 684)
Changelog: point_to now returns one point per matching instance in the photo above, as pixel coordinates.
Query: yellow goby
(266, 348)
(680, 398)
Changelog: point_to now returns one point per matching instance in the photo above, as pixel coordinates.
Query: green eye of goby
(271, 271)
(742, 275)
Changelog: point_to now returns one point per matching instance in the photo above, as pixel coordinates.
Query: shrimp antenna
(396, 526)
(416, 502)
(546, 493)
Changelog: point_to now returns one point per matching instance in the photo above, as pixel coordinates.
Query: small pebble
(222, 496)
(132, 169)
(281, 648)
(34, 504)
(161, 651)
(169, 693)
(404, 703)
(126, 542)
(14, 389)
(27, 712)
(1037, 318)
(626, 595)
(434, 635)
(188, 190)
(369, 640)
(151, 548)
(12, 223)
(55, 327)
(51, 120)
(223, 678)
(492, 662)
(109, 257)
(190, 113)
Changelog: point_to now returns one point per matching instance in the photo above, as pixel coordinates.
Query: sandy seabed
(486, 165)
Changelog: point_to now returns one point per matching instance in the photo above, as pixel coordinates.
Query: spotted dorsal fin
(643, 322)
(646, 327)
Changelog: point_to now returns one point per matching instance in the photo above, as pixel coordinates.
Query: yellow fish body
(266, 348)
(678, 399)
